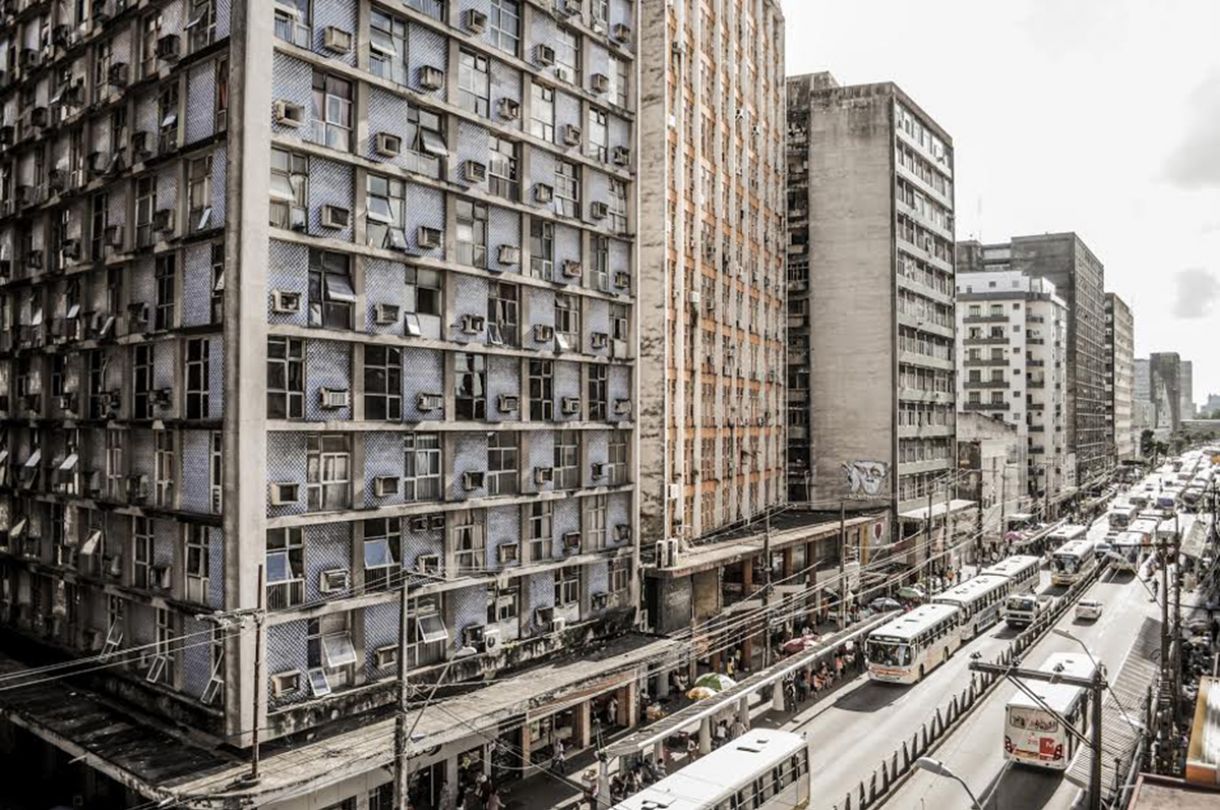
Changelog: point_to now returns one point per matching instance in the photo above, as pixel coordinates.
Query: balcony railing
(985, 361)
(285, 594)
(985, 384)
(986, 406)
(985, 340)
(989, 318)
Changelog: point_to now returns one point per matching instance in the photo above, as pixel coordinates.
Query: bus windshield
(1067, 563)
(889, 653)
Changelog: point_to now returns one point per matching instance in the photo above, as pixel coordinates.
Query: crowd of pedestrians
(812, 682)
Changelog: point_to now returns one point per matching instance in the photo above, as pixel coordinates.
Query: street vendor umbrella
(700, 692)
(716, 682)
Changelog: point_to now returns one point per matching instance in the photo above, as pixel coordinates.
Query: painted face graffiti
(866, 478)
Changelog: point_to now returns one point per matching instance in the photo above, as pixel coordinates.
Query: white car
(1088, 609)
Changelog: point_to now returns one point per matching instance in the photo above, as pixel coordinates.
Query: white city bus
(910, 646)
(1021, 571)
(1121, 515)
(1066, 534)
(1073, 561)
(762, 769)
(1127, 551)
(1035, 736)
(979, 601)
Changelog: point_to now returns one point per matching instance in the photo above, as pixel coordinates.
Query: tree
(1146, 443)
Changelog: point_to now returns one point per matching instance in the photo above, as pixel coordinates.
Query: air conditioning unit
(474, 21)
(431, 78)
(163, 577)
(332, 398)
(284, 302)
(599, 469)
(337, 40)
(385, 486)
(387, 144)
(117, 75)
(622, 279)
(474, 172)
(336, 216)
(600, 83)
(68, 402)
(428, 564)
(289, 114)
(473, 479)
(543, 616)
(114, 236)
(622, 407)
(621, 155)
(419, 523)
(559, 624)
(543, 333)
(429, 402)
(543, 193)
(39, 117)
(163, 397)
(571, 542)
(284, 493)
(298, 218)
(621, 32)
(510, 109)
(436, 521)
(568, 8)
(599, 340)
(544, 55)
(169, 47)
(599, 210)
(385, 314)
(571, 135)
(472, 324)
(70, 249)
(491, 639)
(508, 403)
(544, 475)
(570, 406)
(507, 553)
(428, 238)
(571, 268)
(163, 220)
(334, 580)
(622, 532)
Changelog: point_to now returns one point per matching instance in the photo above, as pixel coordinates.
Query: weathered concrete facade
(1120, 378)
(993, 453)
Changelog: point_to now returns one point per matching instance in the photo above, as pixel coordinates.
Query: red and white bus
(1035, 736)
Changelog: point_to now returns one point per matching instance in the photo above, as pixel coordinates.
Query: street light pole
(938, 768)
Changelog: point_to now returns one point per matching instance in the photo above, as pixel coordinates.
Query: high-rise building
(1187, 387)
(308, 301)
(1011, 348)
(1079, 279)
(1165, 391)
(1120, 373)
(873, 313)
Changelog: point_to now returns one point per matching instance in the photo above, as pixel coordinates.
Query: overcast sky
(1095, 116)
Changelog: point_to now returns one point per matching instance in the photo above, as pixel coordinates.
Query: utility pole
(400, 717)
(927, 534)
(842, 565)
(1177, 624)
(766, 599)
(1099, 684)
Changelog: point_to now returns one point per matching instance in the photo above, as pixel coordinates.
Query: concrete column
(705, 736)
(777, 698)
(451, 770)
(743, 710)
(663, 683)
(631, 704)
(583, 729)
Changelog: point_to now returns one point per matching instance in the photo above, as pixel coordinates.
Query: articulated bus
(1034, 736)
(761, 769)
(1066, 534)
(1021, 571)
(979, 601)
(1073, 561)
(910, 646)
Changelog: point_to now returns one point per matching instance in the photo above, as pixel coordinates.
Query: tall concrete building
(1165, 391)
(1011, 336)
(1120, 378)
(303, 303)
(1187, 387)
(1079, 279)
(711, 438)
(872, 197)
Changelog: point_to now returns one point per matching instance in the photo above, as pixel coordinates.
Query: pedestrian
(448, 797)
(612, 711)
(692, 748)
(738, 728)
(730, 665)
(494, 802)
(559, 763)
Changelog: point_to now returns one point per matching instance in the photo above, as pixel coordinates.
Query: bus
(979, 600)
(1139, 500)
(1127, 551)
(1121, 515)
(1021, 571)
(1066, 534)
(1073, 561)
(761, 769)
(1034, 736)
(915, 643)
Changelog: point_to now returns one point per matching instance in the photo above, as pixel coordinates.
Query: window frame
(293, 368)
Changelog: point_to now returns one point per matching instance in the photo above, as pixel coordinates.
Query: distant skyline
(1095, 116)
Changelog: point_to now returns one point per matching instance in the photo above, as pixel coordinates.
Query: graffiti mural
(866, 479)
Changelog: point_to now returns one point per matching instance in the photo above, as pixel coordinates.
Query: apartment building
(1012, 336)
(1120, 378)
(1187, 387)
(1165, 377)
(303, 303)
(873, 316)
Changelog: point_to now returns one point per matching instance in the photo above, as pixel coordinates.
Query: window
(567, 55)
(166, 462)
(99, 208)
(382, 798)
(567, 322)
(115, 471)
(285, 568)
(567, 459)
(542, 112)
(502, 313)
(470, 386)
(198, 563)
(386, 206)
(539, 530)
(285, 378)
(199, 194)
(618, 206)
(617, 474)
(166, 293)
(502, 463)
(472, 233)
(289, 187)
(474, 83)
(421, 467)
(292, 22)
(599, 13)
(468, 541)
(150, 32)
(332, 111)
(503, 605)
(598, 135)
(216, 473)
(382, 383)
(331, 297)
(619, 83)
(101, 69)
(142, 553)
(598, 405)
(423, 297)
(328, 461)
(426, 135)
(146, 204)
(197, 380)
(542, 248)
(567, 586)
(595, 522)
(542, 402)
(567, 189)
(382, 552)
(142, 381)
(504, 25)
(218, 281)
(221, 119)
(503, 178)
(201, 25)
(620, 574)
(388, 47)
(601, 263)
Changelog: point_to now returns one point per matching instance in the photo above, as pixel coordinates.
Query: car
(1088, 610)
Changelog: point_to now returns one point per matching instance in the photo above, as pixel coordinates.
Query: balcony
(985, 406)
(968, 384)
(985, 361)
(987, 340)
(1000, 318)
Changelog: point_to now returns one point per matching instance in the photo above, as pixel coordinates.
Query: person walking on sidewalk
(559, 763)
